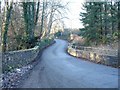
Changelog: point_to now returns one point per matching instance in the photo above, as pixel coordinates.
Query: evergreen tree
(30, 18)
(100, 21)
(92, 22)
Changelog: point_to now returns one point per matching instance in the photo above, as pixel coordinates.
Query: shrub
(44, 42)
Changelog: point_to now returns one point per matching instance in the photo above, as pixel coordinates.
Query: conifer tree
(100, 21)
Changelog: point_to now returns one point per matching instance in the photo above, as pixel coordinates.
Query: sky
(74, 7)
(73, 14)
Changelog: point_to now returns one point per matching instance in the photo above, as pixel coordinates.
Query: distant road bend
(57, 69)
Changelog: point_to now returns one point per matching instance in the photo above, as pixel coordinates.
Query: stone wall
(111, 60)
(16, 59)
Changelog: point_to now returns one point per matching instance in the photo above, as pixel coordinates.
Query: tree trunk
(42, 19)
(112, 30)
(105, 32)
(37, 13)
(31, 18)
(50, 22)
(8, 16)
(119, 33)
(101, 21)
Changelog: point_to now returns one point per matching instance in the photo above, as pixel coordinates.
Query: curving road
(57, 69)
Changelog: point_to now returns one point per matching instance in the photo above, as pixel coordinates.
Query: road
(57, 69)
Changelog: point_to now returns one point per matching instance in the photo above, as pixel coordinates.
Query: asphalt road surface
(57, 69)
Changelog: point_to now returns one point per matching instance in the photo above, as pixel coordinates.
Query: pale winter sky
(73, 14)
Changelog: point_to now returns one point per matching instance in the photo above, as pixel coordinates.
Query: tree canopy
(100, 20)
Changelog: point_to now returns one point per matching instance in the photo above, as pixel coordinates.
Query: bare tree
(53, 10)
(5, 26)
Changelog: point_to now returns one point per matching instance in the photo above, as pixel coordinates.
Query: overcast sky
(73, 14)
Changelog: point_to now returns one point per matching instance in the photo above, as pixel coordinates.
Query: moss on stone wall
(94, 57)
(16, 59)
